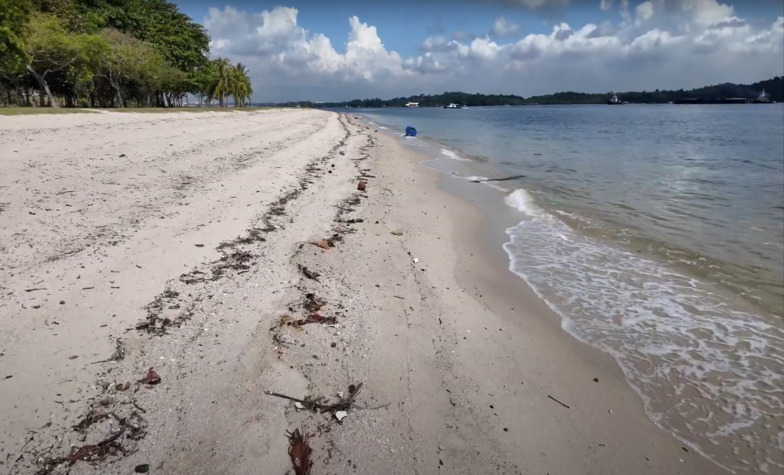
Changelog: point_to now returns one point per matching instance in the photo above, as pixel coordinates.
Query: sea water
(656, 232)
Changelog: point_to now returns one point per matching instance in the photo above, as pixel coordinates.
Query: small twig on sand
(559, 402)
(374, 408)
(308, 273)
(119, 353)
(33, 290)
(314, 404)
(290, 398)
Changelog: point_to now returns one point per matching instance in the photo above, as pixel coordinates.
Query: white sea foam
(452, 155)
(382, 127)
(522, 201)
(702, 363)
(497, 187)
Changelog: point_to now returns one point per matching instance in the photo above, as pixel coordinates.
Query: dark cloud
(462, 36)
(603, 30)
(563, 34)
(732, 23)
(437, 44)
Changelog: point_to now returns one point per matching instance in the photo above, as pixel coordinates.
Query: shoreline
(507, 295)
(451, 377)
(506, 287)
(673, 396)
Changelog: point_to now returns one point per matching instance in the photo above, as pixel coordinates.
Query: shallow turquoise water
(657, 233)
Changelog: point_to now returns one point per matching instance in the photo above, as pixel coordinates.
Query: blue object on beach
(410, 131)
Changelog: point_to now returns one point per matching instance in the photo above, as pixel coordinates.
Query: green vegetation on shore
(110, 53)
(774, 87)
(9, 111)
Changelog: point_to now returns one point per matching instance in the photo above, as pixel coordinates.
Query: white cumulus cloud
(666, 44)
(273, 41)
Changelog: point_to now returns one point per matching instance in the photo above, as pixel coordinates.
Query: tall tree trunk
(116, 86)
(43, 87)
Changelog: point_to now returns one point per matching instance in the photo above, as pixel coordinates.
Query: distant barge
(763, 98)
(731, 100)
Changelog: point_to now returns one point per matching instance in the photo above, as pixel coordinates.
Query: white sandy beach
(178, 242)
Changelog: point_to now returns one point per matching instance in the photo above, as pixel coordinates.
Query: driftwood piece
(507, 178)
(317, 405)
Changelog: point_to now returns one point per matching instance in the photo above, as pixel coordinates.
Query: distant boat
(763, 98)
(412, 104)
(453, 106)
(614, 101)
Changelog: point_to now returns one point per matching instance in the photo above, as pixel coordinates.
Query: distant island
(773, 87)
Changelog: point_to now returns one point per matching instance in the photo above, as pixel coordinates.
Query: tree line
(774, 87)
(110, 53)
(436, 100)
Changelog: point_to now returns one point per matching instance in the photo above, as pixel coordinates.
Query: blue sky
(405, 23)
(343, 49)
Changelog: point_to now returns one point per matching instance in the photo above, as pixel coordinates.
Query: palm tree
(224, 80)
(241, 87)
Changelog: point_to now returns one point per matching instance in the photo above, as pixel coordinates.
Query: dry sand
(178, 241)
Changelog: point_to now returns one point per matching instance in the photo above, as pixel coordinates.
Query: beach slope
(167, 278)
